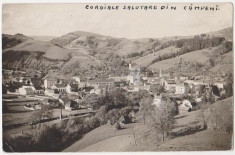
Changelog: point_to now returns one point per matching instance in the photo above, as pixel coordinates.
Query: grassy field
(100, 134)
(51, 51)
(113, 144)
(133, 138)
(200, 56)
(146, 60)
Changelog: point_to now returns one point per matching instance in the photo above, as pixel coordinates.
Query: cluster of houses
(60, 89)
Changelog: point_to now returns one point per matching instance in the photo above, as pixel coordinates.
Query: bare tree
(162, 119)
(145, 107)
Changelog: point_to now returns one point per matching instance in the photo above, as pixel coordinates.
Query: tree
(39, 115)
(162, 119)
(145, 107)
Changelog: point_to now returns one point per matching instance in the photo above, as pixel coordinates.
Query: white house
(179, 89)
(220, 85)
(169, 84)
(95, 91)
(59, 87)
(26, 91)
(49, 82)
(77, 79)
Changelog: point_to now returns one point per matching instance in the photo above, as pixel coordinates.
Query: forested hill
(89, 50)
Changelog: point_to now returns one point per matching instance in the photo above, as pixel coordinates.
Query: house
(170, 85)
(77, 79)
(188, 105)
(179, 89)
(64, 100)
(72, 88)
(154, 81)
(219, 84)
(38, 90)
(144, 87)
(49, 92)
(68, 104)
(95, 91)
(26, 91)
(49, 82)
(131, 89)
(59, 88)
(101, 82)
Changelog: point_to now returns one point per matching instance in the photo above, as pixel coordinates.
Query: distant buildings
(49, 82)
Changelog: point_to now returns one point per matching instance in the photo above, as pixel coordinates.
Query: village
(71, 94)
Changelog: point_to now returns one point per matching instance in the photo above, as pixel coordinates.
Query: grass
(99, 134)
(146, 60)
(200, 56)
(206, 140)
(105, 137)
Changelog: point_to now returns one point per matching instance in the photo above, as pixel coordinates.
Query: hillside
(9, 41)
(51, 51)
(43, 38)
(224, 63)
(227, 33)
(147, 59)
(99, 43)
(85, 49)
(203, 57)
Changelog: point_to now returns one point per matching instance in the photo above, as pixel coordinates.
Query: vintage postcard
(117, 77)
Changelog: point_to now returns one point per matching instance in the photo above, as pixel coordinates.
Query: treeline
(12, 58)
(192, 44)
(135, 54)
(9, 42)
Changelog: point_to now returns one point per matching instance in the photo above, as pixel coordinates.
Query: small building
(101, 82)
(64, 100)
(26, 91)
(68, 103)
(219, 84)
(49, 82)
(39, 90)
(169, 84)
(59, 88)
(179, 89)
(72, 88)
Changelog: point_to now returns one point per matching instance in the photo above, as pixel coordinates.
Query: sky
(60, 19)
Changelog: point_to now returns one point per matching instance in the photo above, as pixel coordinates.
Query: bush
(94, 122)
(49, 139)
(117, 126)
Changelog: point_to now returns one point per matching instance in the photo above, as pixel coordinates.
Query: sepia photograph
(117, 77)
